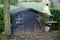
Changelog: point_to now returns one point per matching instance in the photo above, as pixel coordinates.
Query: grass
(55, 30)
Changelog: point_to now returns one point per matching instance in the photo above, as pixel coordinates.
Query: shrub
(56, 14)
(1, 19)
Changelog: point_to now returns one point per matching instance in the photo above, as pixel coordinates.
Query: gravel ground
(43, 36)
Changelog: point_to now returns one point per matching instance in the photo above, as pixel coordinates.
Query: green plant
(1, 19)
(56, 14)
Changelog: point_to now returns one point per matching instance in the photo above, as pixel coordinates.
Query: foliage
(56, 14)
(1, 20)
(13, 2)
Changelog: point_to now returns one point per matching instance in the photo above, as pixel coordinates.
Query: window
(17, 22)
(19, 19)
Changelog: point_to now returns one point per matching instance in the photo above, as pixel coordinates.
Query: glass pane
(17, 22)
(21, 21)
(19, 17)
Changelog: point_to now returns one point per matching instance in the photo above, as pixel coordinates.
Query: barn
(25, 20)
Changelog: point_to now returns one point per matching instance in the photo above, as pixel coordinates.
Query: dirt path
(38, 36)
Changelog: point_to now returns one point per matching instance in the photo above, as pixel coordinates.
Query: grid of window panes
(19, 19)
(19, 22)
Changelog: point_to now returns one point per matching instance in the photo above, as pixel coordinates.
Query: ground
(41, 36)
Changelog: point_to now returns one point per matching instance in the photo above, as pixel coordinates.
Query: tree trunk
(6, 19)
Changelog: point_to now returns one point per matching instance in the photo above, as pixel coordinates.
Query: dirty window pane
(17, 22)
(19, 19)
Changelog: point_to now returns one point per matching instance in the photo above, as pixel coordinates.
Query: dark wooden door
(26, 21)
